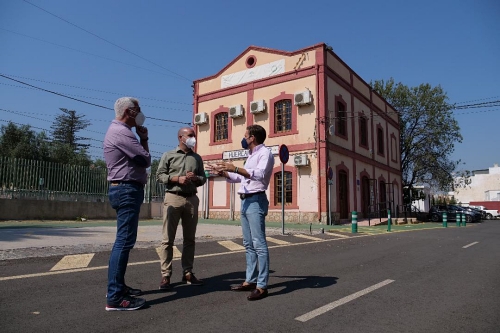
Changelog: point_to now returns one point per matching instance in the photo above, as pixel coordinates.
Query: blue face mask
(244, 143)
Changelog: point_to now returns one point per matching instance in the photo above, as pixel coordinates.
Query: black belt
(248, 195)
(182, 194)
(133, 182)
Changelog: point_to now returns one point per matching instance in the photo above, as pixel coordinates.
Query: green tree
(65, 154)
(65, 128)
(428, 132)
(23, 142)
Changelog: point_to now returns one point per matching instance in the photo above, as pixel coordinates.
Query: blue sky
(161, 46)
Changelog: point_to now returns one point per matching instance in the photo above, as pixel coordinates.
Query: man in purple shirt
(254, 179)
(127, 160)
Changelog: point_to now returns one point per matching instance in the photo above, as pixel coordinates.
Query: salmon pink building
(343, 138)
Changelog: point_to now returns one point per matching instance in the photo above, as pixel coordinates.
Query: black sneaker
(189, 278)
(132, 291)
(126, 304)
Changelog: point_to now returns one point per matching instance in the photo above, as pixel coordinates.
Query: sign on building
(243, 153)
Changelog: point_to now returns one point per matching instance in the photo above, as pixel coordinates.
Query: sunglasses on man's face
(135, 109)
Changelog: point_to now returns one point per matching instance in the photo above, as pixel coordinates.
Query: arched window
(380, 140)
(283, 116)
(221, 127)
(278, 190)
(341, 117)
(363, 131)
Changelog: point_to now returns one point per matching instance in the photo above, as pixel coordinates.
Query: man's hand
(183, 180)
(142, 132)
(192, 177)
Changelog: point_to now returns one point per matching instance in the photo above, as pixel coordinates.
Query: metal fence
(39, 180)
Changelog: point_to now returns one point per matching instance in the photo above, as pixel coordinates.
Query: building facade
(484, 186)
(343, 138)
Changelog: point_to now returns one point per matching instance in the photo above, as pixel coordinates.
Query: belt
(248, 195)
(132, 182)
(182, 194)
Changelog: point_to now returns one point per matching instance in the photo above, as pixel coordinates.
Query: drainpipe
(318, 141)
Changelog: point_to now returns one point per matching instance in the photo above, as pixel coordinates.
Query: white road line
(277, 241)
(337, 235)
(333, 305)
(177, 253)
(230, 245)
(308, 237)
(73, 261)
(466, 246)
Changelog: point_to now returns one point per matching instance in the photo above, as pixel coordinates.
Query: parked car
(490, 213)
(436, 213)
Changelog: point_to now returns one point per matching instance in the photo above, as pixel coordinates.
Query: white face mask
(140, 118)
(190, 142)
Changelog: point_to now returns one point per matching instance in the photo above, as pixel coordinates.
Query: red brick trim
(394, 154)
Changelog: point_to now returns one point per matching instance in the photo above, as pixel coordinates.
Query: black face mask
(244, 143)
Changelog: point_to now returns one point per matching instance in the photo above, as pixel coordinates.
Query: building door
(365, 196)
(343, 195)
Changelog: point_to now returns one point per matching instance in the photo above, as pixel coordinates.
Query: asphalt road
(434, 280)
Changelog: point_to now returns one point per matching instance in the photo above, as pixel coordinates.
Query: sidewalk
(19, 239)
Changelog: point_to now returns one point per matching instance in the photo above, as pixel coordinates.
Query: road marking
(336, 235)
(333, 305)
(308, 237)
(177, 253)
(232, 246)
(277, 241)
(73, 261)
(468, 245)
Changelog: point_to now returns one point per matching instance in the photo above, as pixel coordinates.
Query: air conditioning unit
(201, 118)
(236, 111)
(300, 160)
(257, 106)
(303, 98)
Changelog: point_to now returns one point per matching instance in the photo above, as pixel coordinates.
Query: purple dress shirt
(125, 157)
(259, 166)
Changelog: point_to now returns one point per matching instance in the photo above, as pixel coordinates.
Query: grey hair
(123, 103)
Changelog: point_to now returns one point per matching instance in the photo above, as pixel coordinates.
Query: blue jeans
(253, 214)
(126, 199)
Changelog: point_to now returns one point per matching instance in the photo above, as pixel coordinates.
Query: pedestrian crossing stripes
(232, 246)
(177, 253)
(277, 241)
(73, 261)
(336, 235)
(308, 237)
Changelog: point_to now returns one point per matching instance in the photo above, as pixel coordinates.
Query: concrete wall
(12, 209)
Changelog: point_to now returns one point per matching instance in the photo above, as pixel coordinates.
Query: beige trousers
(175, 208)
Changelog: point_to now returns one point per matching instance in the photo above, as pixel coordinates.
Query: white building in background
(484, 186)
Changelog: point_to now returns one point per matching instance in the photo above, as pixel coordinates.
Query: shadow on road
(224, 282)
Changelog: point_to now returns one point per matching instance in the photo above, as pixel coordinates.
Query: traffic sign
(284, 154)
(329, 173)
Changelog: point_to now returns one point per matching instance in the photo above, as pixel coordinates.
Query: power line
(477, 100)
(103, 99)
(96, 90)
(92, 54)
(107, 41)
(82, 101)
(86, 130)
(43, 129)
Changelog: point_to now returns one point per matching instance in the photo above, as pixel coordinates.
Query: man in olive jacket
(181, 170)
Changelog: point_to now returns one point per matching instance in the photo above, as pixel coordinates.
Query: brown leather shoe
(189, 278)
(257, 294)
(244, 287)
(165, 283)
